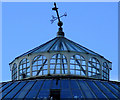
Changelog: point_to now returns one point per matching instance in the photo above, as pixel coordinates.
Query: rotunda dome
(60, 56)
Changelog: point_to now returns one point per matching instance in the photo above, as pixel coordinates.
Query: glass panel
(55, 84)
(55, 47)
(58, 64)
(85, 88)
(46, 85)
(71, 48)
(39, 65)
(95, 89)
(74, 84)
(77, 94)
(15, 90)
(66, 94)
(5, 86)
(14, 71)
(75, 89)
(45, 90)
(116, 92)
(64, 46)
(23, 66)
(35, 89)
(65, 84)
(87, 50)
(115, 86)
(82, 48)
(94, 68)
(7, 90)
(46, 46)
(43, 94)
(2, 84)
(105, 90)
(25, 90)
(77, 63)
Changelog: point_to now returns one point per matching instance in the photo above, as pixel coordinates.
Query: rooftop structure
(60, 56)
(60, 68)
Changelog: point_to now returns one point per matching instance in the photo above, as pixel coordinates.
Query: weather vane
(58, 17)
(60, 33)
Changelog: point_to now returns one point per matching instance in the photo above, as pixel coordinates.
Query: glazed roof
(69, 88)
(60, 44)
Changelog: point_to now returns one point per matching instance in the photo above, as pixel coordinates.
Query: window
(14, 72)
(77, 65)
(105, 71)
(39, 66)
(58, 64)
(24, 68)
(94, 68)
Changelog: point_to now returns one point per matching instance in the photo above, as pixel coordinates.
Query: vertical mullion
(60, 64)
(43, 66)
(79, 59)
(56, 58)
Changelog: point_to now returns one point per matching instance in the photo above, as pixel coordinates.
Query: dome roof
(60, 56)
(59, 44)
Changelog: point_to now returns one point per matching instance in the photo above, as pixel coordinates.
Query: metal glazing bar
(63, 65)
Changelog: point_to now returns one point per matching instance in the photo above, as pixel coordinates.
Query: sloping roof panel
(69, 88)
(59, 44)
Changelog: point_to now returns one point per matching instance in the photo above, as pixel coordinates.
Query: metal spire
(60, 33)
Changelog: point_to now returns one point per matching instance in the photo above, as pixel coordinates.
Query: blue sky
(27, 25)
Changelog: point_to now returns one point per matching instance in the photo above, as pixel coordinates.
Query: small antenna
(60, 32)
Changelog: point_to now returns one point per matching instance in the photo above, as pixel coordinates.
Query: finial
(60, 33)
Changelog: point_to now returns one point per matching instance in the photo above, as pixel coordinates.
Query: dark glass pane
(54, 47)
(65, 84)
(66, 94)
(77, 94)
(43, 94)
(55, 84)
(116, 92)
(105, 90)
(15, 90)
(25, 90)
(7, 90)
(35, 89)
(95, 89)
(2, 84)
(74, 84)
(70, 47)
(46, 47)
(115, 86)
(85, 88)
(5, 86)
(46, 85)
